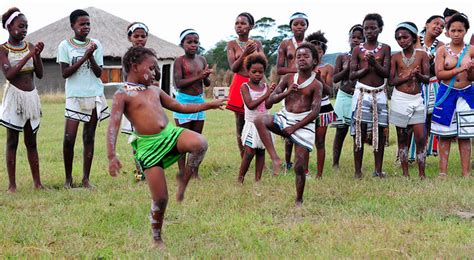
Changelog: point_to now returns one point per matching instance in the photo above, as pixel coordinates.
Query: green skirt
(157, 149)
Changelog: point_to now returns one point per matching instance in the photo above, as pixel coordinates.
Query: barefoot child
(237, 51)
(191, 73)
(158, 143)
(342, 107)
(137, 34)
(255, 94)
(370, 66)
(454, 106)
(286, 62)
(408, 69)
(302, 93)
(81, 64)
(20, 110)
(324, 73)
(428, 42)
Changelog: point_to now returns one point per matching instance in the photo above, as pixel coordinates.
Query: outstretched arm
(112, 132)
(172, 105)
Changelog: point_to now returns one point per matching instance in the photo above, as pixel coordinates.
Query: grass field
(341, 217)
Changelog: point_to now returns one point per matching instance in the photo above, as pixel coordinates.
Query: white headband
(10, 19)
(138, 26)
(186, 33)
(298, 15)
(407, 26)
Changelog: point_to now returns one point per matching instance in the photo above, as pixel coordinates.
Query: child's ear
(134, 67)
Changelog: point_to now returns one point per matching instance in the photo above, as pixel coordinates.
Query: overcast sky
(214, 19)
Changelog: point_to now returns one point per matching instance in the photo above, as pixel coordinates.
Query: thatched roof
(109, 29)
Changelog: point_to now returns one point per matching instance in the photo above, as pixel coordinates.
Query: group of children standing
(306, 83)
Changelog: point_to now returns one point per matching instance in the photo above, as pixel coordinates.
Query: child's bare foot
(158, 244)
(358, 175)
(39, 186)
(86, 184)
(11, 189)
(298, 204)
(276, 164)
(422, 177)
(196, 176)
(68, 184)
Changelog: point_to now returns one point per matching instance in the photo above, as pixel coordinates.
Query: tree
(218, 55)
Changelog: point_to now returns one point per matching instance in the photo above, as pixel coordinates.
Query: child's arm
(327, 80)
(9, 71)
(172, 105)
(270, 90)
(315, 107)
(96, 69)
(207, 71)
(383, 70)
(37, 62)
(355, 72)
(112, 131)
(424, 74)
(279, 94)
(249, 102)
(67, 69)
(394, 79)
(341, 70)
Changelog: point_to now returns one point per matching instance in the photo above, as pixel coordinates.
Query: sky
(214, 19)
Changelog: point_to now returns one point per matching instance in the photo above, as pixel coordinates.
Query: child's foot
(158, 244)
(422, 177)
(288, 165)
(39, 186)
(196, 176)
(298, 204)
(406, 175)
(68, 184)
(11, 189)
(358, 175)
(86, 184)
(276, 164)
(442, 175)
(379, 174)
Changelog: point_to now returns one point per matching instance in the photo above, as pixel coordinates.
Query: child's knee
(320, 144)
(159, 203)
(249, 154)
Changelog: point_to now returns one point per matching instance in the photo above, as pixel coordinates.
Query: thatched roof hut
(110, 30)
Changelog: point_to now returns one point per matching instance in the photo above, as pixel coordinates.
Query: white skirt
(81, 108)
(18, 107)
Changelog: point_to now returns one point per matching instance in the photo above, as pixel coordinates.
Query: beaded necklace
(16, 48)
(408, 61)
(131, 86)
(241, 44)
(374, 51)
(295, 43)
(77, 44)
(431, 49)
(450, 52)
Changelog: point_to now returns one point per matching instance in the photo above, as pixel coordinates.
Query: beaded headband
(356, 27)
(408, 27)
(138, 26)
(10, 19)
(298, 15)
(186, 33)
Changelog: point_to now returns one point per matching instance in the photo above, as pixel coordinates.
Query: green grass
(340, 217)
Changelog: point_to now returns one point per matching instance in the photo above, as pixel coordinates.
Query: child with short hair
(81, 61)
(255, 94)
(21, 109)
(324, 73)
(370, 66)
(191, 73)
(342, 107)
(286, 62)
(408, 69)
(157, 142)
(302, 93)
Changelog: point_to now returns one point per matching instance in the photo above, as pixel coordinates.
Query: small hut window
(111, 74)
